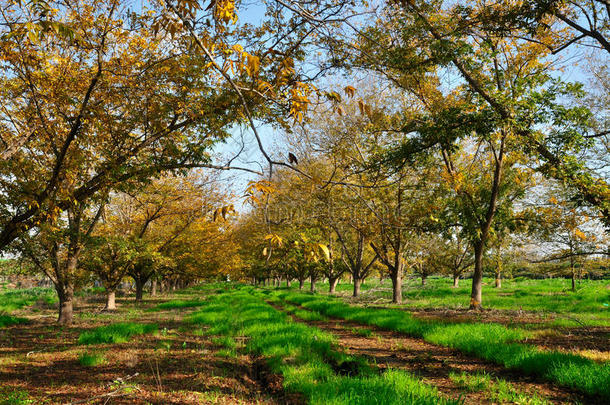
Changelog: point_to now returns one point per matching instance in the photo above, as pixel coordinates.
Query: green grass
(8, 320)
(307, 357)
(590, 302)
(177, 304)
(13, 299)
(15, 397)
(495, 389)
(115, 333)
(91, 359)
(225, 341)
(490, 341)
(309, 315)
(362, 332)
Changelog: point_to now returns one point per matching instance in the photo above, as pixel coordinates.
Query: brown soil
(434, 363)
(175, 366)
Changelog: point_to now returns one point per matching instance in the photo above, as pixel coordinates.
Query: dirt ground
(176, 366)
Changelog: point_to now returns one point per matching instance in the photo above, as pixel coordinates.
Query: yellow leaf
(350, 91)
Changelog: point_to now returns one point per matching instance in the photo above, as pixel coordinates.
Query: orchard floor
(437, 365)
(576, 322)
(39, 361)
(42, 363)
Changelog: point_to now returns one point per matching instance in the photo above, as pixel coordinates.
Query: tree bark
(66, 301)
(110, 300)
(397, 289)
(153, 288)
(332, 284)
(312, 287)
(573, 272)
(498, 280)
(456, 281)
(287, 282)
(477, 278)
(139, 290)
(357, 284)
(301, 283)
(424, 279)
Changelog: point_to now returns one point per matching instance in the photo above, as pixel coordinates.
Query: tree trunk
(396, 289)
(312, 287)
(477, 278)
(66, 300)
(456, 281)
(153, 288)
(301, 283)
(573, 272)
(287, 282)
(110, 300)
(357, 283)
(424, 279)
(139, 290)
(498, 280)
(332, 284)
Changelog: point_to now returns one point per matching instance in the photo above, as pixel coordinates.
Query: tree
(567, 231)
(462, 35)
(452, 255)
(109, 257)
(155, 221)
(56, 249)
(114, 103)
(485, 126)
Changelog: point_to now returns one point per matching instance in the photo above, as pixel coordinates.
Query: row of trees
(464, 111)
(104, 106)
(164, 233)
(411, 221)
(467, 141)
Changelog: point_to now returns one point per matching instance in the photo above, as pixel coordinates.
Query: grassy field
(234, 344)
(590, 303)
(12, 300)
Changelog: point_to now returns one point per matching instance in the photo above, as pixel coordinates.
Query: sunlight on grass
(91, 359)
(177, 304)
(115, 333)
(495, 389)
(306, 356)
(490, 341)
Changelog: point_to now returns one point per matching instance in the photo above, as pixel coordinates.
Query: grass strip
(8, 320)
(496, 389)
(91, 359)
(115, 333)
(177, 304)
(11, 300)
(490, 341)
(306, 358)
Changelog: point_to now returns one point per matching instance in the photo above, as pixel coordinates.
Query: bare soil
(176, 366)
